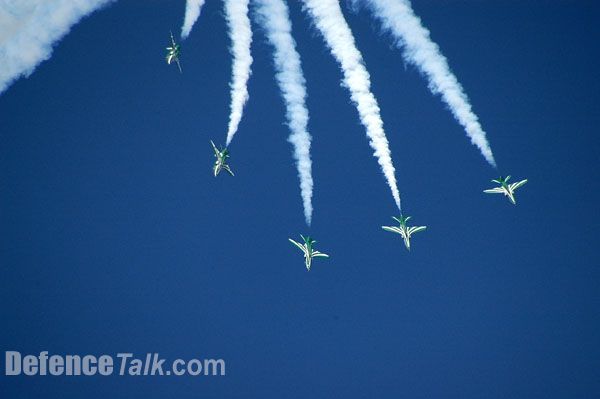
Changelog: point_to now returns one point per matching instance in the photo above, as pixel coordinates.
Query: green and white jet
(221, 161)
(403, 229)
(307, 249)
(506, 188)
(173, 53)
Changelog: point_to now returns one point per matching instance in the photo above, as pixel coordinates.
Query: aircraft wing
(392, 229)
(496, 190)
(317, 254)
(169, 58)
(416, 229)
(215, 149)
(226, 167)
(298, 245)
(514, 186)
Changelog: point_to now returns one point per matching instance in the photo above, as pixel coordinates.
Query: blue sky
(115, 236)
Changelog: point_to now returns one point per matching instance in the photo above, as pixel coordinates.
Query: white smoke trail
(328, 18)
(192, 12)
(398, 18)
(236, 13)
(273, 15)
(29, 28)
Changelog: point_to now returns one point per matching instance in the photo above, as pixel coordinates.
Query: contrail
(192, 12)
(328, 18)
(273, 15)
(236, 13)
(29, 29)
(398, 18)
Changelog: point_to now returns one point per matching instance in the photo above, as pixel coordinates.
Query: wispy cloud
(273, 15)
(240, 32)
(29, 29)
(398, 18)
(192, 12)
(328, 18)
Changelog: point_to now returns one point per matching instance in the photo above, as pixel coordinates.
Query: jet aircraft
(307, 249)
(221, 161)
(403, 229)
(506, 188)
(173, 53)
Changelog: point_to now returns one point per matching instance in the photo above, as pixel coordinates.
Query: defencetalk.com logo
(122, 364)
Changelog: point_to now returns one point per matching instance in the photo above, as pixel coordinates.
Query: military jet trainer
(307, 249)
(403, 229)
(221, 161)
(173, 53)
(505, 188)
